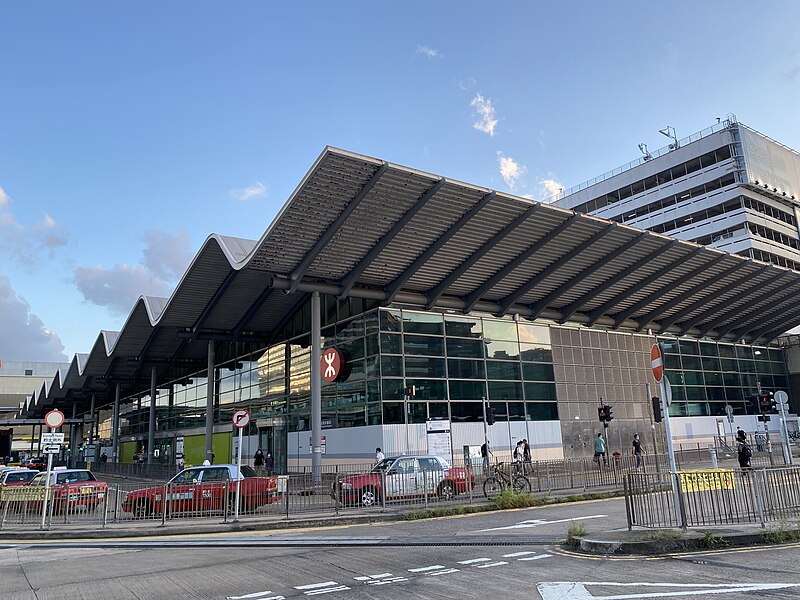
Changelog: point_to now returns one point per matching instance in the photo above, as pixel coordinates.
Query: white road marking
(259, 595)
(576, 590)
(381, 579)
(515, 554)
(494, 564)
(423, 569)
(340, 588)
(312, 586)
(473, 560)
(444, 572)
(537, 557)
(537, 522)
(381, 575)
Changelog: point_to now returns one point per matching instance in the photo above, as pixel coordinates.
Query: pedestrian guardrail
(712, 497)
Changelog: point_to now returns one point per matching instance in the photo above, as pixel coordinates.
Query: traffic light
(601, 413)
(766, 402)
(609, 413)
(657, 416)
(489, 414)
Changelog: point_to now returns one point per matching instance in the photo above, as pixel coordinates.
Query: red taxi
(71, 488)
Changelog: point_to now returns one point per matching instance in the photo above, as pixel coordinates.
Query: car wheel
(369, 497)
(142, 509)
(447, 490)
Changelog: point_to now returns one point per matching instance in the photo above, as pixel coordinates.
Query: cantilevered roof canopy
(358, 226)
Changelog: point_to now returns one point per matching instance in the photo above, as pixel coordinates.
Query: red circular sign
(331, 364)
(657, 362)
(54, 418)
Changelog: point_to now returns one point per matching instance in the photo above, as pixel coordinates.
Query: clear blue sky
(130, 131)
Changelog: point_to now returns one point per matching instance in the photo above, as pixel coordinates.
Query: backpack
(516, 453)
(746, 452)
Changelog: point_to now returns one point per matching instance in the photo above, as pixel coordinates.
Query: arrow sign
(576, 590)
(241, 418)
(51, 449)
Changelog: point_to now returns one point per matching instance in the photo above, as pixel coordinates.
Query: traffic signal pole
(657, 362)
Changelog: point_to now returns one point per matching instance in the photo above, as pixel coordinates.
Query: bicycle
(500, 480)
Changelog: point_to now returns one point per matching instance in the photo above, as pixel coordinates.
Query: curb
(692, 541)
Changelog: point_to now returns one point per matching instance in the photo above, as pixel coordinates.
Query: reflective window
(423, 344)
(542, 411)
(536, 334)
(538, 372)
(467, 390)
(466, 369)
(502, 350)
(464, 348)
(496, 369)
(500, 330)
(417, 366)
(536, 353)
(463, 326)
(464, 412)
(505, 390)
(430, 323)
(391, 344)
(540, 391)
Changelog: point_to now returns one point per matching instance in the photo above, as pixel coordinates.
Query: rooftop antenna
(669, 131)
(643, 150)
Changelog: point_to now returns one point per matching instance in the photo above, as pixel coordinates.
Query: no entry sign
(657, 362)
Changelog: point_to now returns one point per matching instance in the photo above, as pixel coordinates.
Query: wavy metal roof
(363, 227)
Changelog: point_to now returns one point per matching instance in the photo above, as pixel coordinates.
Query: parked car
(14, 477)
(204, 489)
(72, 488)
(405, 477)
(36, 463)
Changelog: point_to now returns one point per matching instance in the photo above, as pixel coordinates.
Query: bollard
(425, 485)
(105, 508)
(713, 452)
(337, 492)
(383, 491)
(225, 504)
(759, 498)
(164, 498)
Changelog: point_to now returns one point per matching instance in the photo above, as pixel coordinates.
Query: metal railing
(712, 497)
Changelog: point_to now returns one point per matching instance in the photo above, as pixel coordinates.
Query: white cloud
(24, 335)
(165, 259)
(551, 187)
(484, 110)
(469, 82)
(257, 190)
(427, 51)
(22, 243)
(510, 170)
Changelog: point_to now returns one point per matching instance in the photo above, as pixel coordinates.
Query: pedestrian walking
(526, 452)
(637, 450)
(760, 442)
(258, 463)
(744, 454)
(379, 455)
(741, 436)
(269, 464)
(600, 450)
(485, 452)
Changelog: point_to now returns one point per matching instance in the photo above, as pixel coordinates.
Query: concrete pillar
(210, 404)
(115, 426)
(73, 435)
(151, 427)
(316, 390)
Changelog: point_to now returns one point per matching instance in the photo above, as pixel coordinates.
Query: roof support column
(73, 435)
(91, 421)
(316, 390)
(151, 426)
(210, 403)
(115, 425)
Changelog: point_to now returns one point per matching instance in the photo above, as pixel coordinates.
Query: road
(509, 555)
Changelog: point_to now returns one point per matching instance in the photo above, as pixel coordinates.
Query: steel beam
(334, 227)
(741, 318)
(251, 311)
(474, 297)
(151, 424)
(212, 304)
(603, 309)
(552, 268)
(466, 265)
(394, 287)
(770, 334)
(349, 281)
(211, 380)
(653, 297)
(744, 298)
(693, 291)
(553, 296)
(703, 303)
(316, 389)
(115, 424)
(766, 320)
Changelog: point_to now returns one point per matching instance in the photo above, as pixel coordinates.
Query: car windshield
(12, 477)
(186, 476)
(383, 465)
(248, 471)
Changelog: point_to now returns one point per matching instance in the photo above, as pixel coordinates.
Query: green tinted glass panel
(417, 412)
(744, 352)
(391, 343)
(502, 350)
(428, 389)
(430, 323)
(499, 411)
(466, 369)
(390, 320)
(535, 334)
(691, 362)
(423, 344)
(372, 344)
(418, 366)
(708, 350)
(393, 413)
(500, 330)
(466, 412)
(467, 390)
(393, 389)
(538, 372)
(462, 327)
(713, 378)
(392, 366)
(542, 411)
(464, 348)
(712, 364)
(672, 362)
(689, 347)
(540, 391)
(498, 369)
(438, 410)
(516, 411)
(536, 353)
(505, 390)
(726, 351)
(715, 393)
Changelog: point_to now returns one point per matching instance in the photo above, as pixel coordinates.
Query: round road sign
(331, 364)
(54, 418)
(241, 418)
(657, 362)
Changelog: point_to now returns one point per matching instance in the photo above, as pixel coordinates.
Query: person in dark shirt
(637, 451)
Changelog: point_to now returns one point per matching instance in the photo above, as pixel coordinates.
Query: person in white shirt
(379, 455)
